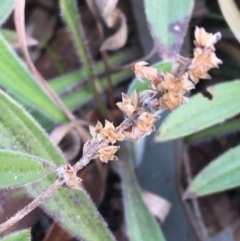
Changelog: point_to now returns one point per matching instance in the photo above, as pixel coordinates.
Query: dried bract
(107, 153)
(96, 131)
(128, 104)
(204, 55)
(111, 133)
(204, 39)
(143, 71)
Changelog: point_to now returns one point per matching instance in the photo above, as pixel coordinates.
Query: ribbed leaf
(17, 168)
(201, 112)
(73, 209)
(23, 235)
(221, 174)
(140, 85)
(6, 7)
(223, 128)
(168, 22)
(17, 79)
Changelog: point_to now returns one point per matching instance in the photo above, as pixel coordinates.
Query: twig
(194, 200)
(106, 66)
(32, 205)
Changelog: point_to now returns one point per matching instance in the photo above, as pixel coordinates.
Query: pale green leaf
(23, 235)
(18, 80)
(168, 22)
(17, 168)
(141, 225)
(231, 14)
(73, 209)
(139, 85)
(221, 174)
(223, 128)
(6, 7)
(201, 112)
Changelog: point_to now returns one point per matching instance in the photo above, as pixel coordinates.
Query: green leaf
(73, 22)
(61, 83)
(17, 168)
(141, 224)
(17, 79)
(226, 127)
(84, 94)
(140, 85)
(221, 174)
(200, 112)
(73, 209)
(168, 22)
(6, 7)
(23, 235)
(231, 14)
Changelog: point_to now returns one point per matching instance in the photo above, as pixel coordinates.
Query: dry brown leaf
(94, 180)
(74, 141)
(41, 25)
(157, 205)
(119, 39)
(57, 233)
(105, 10)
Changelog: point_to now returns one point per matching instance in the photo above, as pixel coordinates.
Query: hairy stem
(32, 205)
(71, 17)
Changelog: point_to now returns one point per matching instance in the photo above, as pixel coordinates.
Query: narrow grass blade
(84, 94)
(23, 235)
(61, 83)
(17, 79)
(17, 168)
(168, 22)
(6, 7)
(72, 19)
(201, 112)
(73, 209)
(221, 174)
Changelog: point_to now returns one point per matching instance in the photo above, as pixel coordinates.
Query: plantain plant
(29, 158)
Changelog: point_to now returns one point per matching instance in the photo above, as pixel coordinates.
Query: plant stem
(32, 205)
(73, 22)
